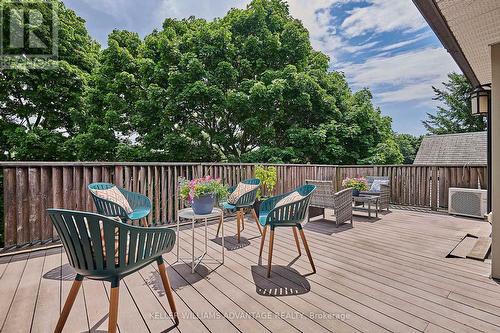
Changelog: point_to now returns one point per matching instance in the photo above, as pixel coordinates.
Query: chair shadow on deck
(327, 226)
(64, 273)
(285, 281)
(179, 274)
(231, 242)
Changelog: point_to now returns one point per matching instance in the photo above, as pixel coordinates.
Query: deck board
(383, 275)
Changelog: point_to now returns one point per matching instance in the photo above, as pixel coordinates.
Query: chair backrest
(324, 194)
(105, 207)
(103, 248)
(370, 179)
(294, 212)
(249, 198)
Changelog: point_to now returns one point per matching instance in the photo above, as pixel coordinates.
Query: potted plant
(201, 193)
(268, 179)
(357, 185)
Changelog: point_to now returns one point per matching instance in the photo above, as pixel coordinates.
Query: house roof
(466, 28)
(453, 149)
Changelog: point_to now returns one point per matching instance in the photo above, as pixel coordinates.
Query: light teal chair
(246, 201)
(290, 215)
(103, 249)
(140, 204)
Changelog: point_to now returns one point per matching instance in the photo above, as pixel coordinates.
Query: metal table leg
(192, 248)
(222, 219)
(178, 237)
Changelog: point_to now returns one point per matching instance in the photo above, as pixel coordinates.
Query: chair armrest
(137, 200)
(146, 243)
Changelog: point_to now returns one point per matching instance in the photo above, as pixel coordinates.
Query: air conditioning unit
(467, 202)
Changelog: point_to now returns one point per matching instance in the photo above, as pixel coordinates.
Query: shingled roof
(455, 149)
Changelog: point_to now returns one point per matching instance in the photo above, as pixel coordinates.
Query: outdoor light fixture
(481, 101)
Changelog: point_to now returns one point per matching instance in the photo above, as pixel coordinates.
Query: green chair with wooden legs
(286, 210)
(139, 205)
(242, 202)
(104, 249)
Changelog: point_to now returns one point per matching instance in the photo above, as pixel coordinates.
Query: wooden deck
(383, 275)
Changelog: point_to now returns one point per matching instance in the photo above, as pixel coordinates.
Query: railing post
(434, 189)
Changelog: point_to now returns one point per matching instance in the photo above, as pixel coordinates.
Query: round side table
(188, 214)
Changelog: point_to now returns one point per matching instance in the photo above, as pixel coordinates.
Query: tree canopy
(455, 115)
(245, 87)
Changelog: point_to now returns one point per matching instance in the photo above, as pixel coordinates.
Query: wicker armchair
(384, 193)
(325, 197)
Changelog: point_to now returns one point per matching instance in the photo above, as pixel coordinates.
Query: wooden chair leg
(238, 224)
(270, 258)
(296, 236)
(256, 220)
(242, 218)
(113, 308)
(262, 241)
(168, 291)
(70, 300)
(307, 249)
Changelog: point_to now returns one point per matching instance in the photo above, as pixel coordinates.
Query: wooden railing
(30, 188)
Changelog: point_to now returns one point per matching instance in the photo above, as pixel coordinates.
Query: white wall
(495, 183)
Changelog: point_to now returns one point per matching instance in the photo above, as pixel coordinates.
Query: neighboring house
(453, 149)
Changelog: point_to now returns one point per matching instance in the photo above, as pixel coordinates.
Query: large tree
(454, 115)
(247, 87)
(41, 101)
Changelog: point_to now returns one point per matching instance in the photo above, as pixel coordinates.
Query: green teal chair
(140, 204)
(86, 238)
(290, 215)
(246, 201)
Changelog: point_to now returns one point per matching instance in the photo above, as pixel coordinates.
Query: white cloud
(402, 77)
(395, 46)
(207, 9)
(383, 16)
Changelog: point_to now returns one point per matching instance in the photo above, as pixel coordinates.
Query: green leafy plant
(267, 177)
(196, 188)
(359, 184)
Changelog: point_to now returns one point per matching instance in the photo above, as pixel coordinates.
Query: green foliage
(408, 145)
(268, 178)
(199, 187)
(455, 116)
(245, 87)
(42, 101)
(359, 184)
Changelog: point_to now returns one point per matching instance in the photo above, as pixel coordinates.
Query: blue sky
(384, 45)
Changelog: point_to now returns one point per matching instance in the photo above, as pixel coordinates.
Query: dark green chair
(140, 204)
(290, 215)
(101, 248)
(246, 201)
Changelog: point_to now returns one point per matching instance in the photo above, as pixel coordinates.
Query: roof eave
(432, 14)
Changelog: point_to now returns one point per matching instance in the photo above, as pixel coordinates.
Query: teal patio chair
(246, 201)
(140, 204)
(101, 248)
(288, 215)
